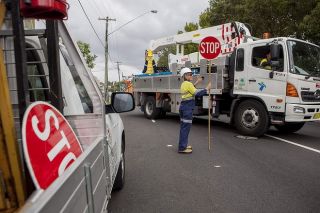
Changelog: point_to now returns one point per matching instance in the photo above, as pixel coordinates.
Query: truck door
(260, 84)
(240, 73)
(114, 127)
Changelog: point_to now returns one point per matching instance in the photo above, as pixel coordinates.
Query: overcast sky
(127, 45)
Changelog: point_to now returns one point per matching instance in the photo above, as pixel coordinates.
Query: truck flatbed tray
(155, 74)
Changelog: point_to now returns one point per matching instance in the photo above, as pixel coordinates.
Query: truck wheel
(290, 127)
(119, 181)
(150, 109)
(251, 118)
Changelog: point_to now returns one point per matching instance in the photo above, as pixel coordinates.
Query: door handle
(252, 80)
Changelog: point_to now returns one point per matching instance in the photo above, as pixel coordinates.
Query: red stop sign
(49, 143)
(210, 47)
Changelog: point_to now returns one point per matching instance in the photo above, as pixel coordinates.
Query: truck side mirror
(122, 102)
(275, 56)
(275, 52)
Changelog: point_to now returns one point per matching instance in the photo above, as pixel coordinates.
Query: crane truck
(285, 94)
(44, 67)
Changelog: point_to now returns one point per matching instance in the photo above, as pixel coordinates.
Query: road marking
(296, 144)
(217, 166)
(169, 145)
(246, 137)
(153, 121)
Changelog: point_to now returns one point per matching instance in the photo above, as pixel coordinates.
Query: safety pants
(185, 126)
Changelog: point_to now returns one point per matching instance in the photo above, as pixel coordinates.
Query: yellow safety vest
(188, 90)
(264, 63)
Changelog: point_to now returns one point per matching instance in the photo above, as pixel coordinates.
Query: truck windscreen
(305, 58)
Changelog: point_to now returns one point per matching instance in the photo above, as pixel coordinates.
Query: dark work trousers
(186, 114)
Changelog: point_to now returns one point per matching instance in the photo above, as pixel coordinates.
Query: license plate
(316, 116)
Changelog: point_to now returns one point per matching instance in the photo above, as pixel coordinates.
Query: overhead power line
(94, 30)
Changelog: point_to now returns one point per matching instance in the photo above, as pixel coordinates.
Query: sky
(127, 45)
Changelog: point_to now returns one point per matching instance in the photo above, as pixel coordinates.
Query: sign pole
(209, 108)
(209, 48)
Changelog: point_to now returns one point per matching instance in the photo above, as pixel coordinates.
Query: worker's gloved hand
(199, 78)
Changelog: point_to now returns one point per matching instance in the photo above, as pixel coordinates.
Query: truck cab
(58, 75)
(288, 87)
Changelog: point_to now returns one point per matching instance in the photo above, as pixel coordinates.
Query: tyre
(150, 109)
(251, 118)
(290, 127)
(119, 181)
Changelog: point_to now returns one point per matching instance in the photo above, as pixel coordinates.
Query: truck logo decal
(276, 107)
(241, 83)
(262, 86)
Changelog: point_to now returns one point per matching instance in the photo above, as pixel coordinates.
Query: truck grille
(310, 96)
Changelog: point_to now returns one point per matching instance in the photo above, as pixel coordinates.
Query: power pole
(118, 66)
(106, 54)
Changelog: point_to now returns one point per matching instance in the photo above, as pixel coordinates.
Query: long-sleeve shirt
(188, 91)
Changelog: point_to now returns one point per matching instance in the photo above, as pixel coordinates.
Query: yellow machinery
(149, 62)
(12, 190)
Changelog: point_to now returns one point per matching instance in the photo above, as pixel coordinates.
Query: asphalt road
(238, 175)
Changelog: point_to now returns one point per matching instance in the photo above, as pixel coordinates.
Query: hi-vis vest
(265, 64)
(188, 91)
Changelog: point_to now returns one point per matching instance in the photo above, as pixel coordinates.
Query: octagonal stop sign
(49, 143)
(210, 47)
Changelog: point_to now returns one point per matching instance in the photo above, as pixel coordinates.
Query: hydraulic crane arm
(231, 33)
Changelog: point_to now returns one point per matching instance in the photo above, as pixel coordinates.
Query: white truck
(46, 65)
(286, 95)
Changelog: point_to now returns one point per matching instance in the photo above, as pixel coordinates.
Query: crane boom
(230, 35)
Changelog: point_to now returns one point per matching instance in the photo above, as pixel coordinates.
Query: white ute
(86, 185)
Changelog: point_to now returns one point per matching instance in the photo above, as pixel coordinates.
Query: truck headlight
(297, 109)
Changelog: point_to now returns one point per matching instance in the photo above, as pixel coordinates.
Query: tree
(86, 53)
(190, 48)
(297, 18)
(164, 54)
(311, 25)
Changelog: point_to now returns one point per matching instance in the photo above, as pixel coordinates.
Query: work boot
(185, 151)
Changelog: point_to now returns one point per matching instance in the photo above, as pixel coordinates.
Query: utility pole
(118, 66)
(106, 53)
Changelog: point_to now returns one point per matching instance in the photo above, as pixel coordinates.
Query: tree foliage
(163, 56)
(297, 18)
(190, 48)
(86, 53)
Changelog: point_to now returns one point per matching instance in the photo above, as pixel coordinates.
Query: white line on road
(296, 144)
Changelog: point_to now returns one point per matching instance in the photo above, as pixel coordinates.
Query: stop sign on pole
(210, 47)
(49, 143)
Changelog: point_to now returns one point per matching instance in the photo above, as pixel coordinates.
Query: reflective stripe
(186, 121)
